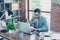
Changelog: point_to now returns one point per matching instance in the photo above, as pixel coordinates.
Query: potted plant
(11, 27)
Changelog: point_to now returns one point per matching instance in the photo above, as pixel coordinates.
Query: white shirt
(6, 15)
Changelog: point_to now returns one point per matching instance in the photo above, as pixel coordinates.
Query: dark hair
(37, 10)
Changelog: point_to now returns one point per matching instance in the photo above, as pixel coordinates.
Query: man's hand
(35, 20)
(32, 28)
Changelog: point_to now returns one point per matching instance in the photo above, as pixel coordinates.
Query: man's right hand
(35, 20)
(32, 28)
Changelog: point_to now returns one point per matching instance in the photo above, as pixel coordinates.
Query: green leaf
(11, 26)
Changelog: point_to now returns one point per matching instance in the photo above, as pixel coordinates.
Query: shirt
(41, 24)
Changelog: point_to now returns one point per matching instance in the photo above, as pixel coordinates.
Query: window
(44, 5)
(1, 1)
(41, 4)
(15, 1)
(8, 1)
(1, 7)
(7, 5)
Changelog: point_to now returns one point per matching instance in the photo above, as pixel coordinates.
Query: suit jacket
(41, 24)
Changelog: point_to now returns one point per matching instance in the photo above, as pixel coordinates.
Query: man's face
(36, 14)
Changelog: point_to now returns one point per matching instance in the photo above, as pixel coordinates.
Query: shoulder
(41, 17)
(33, 17)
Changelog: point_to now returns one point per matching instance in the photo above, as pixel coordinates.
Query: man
(8, 15)
(2, 22)
(2, 15)
(38, 23)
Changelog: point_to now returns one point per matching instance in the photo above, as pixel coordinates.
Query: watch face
(3, 38)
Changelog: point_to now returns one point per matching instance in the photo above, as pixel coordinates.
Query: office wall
(55, 18)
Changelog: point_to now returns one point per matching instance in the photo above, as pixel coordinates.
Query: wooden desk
(13, 36)
(3, 35)
(26, 37)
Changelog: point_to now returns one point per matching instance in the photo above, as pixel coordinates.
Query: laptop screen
(24, 27)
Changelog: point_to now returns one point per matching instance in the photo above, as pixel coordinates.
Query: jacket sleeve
(44, 26)
(31, 21)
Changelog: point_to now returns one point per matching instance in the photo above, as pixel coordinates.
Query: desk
(55, 36)
(13, 36)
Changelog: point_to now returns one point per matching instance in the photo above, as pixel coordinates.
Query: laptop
(24, 27)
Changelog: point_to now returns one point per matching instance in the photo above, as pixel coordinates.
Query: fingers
(32, 28)
(35, 20)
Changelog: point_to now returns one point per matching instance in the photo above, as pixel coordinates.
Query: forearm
(43, 29)
(2, 16)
